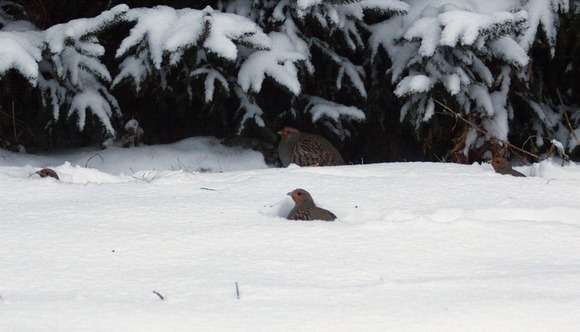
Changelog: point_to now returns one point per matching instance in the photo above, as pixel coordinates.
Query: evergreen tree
(550, 103)
(174, 49)
(507, 67)
(327, 36)
(444, 52)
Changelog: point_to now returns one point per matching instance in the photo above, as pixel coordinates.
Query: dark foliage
(170, 114)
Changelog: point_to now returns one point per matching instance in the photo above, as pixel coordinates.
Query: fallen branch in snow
(93, 156)
(161, 297)
(483, 131)
(237, 291)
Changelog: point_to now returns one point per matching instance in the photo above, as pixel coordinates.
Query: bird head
(500, 163)
(288, 132)
(43, 173)
(300, 196)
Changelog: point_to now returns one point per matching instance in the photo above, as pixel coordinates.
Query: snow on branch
(162, 35)
(321, 109)
(20, 51)
(212, 76)
(357, 6)
(166, 30)
(346, 68)
(278, 63)
(248, 109)
(56, 37)
(543, 14)
(467, 28)
(91, 101)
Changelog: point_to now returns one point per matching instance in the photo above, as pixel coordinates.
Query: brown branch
(14, 123)
(483, 131)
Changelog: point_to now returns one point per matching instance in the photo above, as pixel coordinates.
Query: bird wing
(299, 214)
(312, 150)
(323, 214)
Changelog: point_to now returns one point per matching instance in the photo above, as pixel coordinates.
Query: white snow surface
(417, 247)
(199, 154)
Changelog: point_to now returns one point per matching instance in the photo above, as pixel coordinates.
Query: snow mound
(200, 154)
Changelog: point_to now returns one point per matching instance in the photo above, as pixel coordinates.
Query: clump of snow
(414, 84)
(324, 109)
(20, 51)
(467, 27)
(212, 77)
(279, 63)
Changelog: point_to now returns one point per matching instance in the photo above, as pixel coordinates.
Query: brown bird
(305, 209)
(306, 149)
(503, 166)
(47, 172)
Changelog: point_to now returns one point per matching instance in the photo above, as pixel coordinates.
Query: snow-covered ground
(417, 247)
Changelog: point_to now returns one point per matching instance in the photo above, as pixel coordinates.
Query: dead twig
(93, 156)
(161, 297)
(237, 290)
(569, 124)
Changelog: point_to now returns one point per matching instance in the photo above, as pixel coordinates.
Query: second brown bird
(305, 209)
(306, 149)
(503, 166)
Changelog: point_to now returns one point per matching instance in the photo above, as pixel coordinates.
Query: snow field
(418, 246)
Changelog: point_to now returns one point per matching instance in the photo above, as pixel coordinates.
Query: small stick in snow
(161, 297)
(208, 189)
(237, 291)
(93, 156)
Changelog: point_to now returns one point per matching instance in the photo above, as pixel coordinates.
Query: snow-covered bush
(193, 45)
(464, 54)
(64, 63)
(328, 64)
(333, 29)
(448, 45)
(20, 48)
(553, 105)
(72, 77)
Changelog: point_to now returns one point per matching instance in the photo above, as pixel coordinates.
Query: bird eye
(299, 194)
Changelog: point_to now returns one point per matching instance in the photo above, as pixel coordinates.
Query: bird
(503, 166)
(47, 172)
(306, 209)
(305, 149)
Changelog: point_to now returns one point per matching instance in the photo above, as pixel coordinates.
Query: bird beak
(289, 194)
